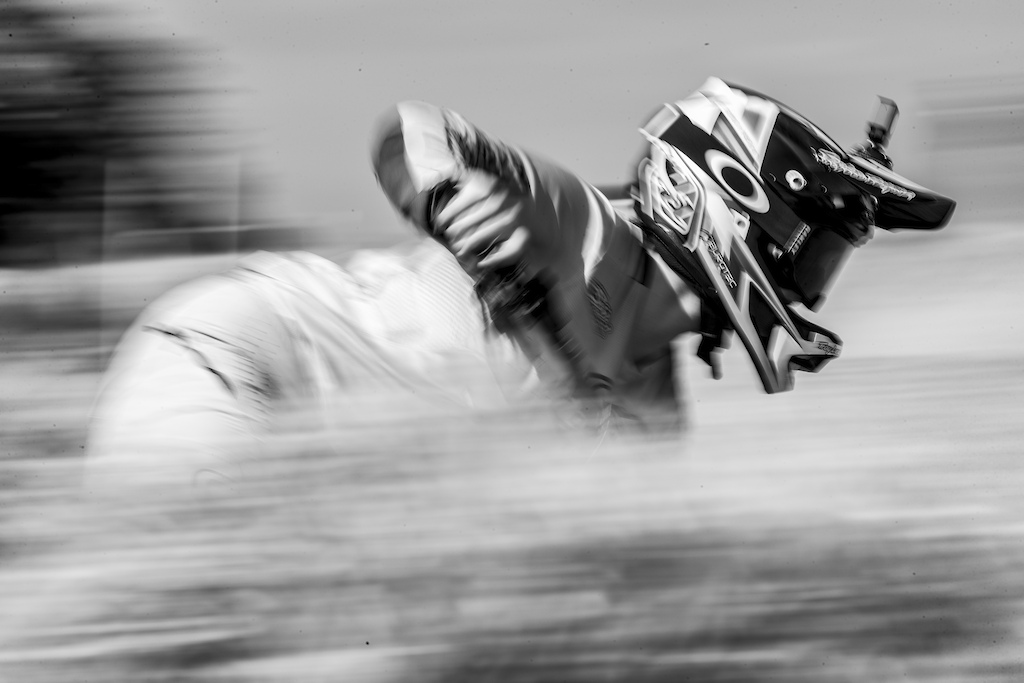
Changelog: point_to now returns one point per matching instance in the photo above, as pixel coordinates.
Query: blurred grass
(866, 527)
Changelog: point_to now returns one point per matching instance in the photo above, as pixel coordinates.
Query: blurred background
(864, 527)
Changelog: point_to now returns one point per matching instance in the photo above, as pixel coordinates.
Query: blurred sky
(572, 80)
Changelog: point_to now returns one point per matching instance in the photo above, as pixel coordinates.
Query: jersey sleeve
(420, 146)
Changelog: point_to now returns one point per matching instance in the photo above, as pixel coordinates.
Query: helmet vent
(795, 180)
(681, 198)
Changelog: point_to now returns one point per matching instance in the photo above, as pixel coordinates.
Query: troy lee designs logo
(831, 161)
(830, 349)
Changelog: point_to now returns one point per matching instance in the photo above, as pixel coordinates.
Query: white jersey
(410, 318)
(401, 317)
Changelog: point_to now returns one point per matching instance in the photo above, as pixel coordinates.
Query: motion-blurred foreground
(865, 527)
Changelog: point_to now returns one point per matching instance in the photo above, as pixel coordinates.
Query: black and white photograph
(375, 341)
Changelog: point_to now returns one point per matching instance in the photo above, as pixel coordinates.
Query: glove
(484, 224)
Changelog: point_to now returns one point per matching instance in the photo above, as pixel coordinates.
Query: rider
(197, 379)
(579, 300)
(530, 232)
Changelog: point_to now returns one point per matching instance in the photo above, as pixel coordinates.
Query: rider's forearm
(421, 146)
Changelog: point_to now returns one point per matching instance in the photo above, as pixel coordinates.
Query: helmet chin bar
(777, 339)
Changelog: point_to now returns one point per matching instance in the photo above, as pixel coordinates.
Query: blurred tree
(93, 124)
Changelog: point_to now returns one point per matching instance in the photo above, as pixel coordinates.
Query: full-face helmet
(758, 209)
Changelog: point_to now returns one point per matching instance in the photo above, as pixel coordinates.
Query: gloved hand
(488, 214)
(485, 225)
